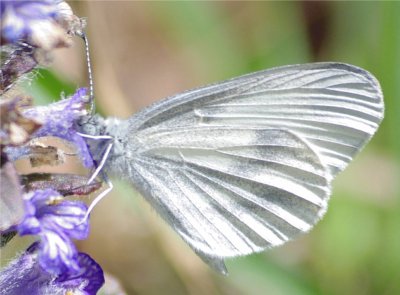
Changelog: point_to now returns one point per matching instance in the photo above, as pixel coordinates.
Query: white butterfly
(244, 165)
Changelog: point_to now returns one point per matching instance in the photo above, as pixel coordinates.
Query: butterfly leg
(102, 162)
(100, 196)
(95, 137)
(105, 155)
(99, 170)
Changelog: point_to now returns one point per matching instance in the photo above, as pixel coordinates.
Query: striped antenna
(90, 76)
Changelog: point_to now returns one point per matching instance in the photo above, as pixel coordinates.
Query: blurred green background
(144, 51)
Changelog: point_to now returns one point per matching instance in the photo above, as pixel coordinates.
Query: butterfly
(244, 165)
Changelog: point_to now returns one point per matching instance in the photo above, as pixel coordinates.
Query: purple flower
(56, 221)
(58, 119)
(25, 273)
(41, 23)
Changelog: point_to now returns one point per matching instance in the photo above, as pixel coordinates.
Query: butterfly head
(100, 133)
(92, 125)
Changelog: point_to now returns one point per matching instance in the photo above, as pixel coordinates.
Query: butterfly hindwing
(231, 192)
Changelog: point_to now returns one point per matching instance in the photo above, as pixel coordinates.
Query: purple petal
(42, 23)
(56, 221)
(57, 254)
(35, 9)
(25, 273)
(90, 277)
(67, 217)
(22, 274)
(58, 119)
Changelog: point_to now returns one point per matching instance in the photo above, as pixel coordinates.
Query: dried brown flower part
(15, 128)
(45, 155)
(15, 62)
(11, 202)
(65, 184)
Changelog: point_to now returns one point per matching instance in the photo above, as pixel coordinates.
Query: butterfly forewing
(246, 164)
(335, 107)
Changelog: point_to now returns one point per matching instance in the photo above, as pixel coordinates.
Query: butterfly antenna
(90, 75)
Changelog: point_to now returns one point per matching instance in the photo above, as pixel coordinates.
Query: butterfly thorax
(104, 132)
